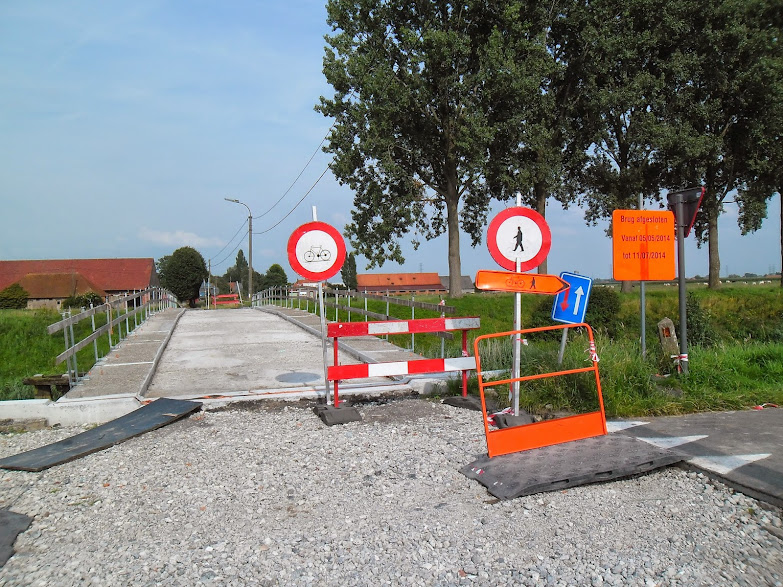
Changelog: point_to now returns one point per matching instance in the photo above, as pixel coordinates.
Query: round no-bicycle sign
(519, 234)
(316, 250)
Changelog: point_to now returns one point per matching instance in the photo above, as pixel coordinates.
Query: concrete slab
(220, 352)
(742, 448)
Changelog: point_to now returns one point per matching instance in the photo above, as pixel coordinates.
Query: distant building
(466, 283)
(48, 290)
(400, 283)
(48, 282)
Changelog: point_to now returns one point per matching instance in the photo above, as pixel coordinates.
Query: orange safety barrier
(547, 432)
(226, 299)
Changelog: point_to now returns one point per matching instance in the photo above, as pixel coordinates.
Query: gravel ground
(267, 495)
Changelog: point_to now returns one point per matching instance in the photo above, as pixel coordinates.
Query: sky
(125, 125)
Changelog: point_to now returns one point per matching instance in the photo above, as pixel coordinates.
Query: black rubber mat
(154, 415)
(551, 468)
(11, 525)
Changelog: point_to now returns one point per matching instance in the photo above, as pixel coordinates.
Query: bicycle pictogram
(317, 253)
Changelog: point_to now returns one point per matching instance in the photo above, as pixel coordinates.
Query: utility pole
(249, 246)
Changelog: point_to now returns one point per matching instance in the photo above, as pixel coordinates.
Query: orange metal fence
(546, 432)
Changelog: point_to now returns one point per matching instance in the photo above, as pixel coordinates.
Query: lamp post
(249, 247)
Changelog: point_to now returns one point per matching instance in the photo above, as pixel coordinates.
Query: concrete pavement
(742, 448)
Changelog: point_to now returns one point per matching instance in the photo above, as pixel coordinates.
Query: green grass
(742, 369)
(26, 349)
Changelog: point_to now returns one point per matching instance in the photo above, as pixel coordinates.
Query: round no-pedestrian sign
(519, 234)
(316, 250)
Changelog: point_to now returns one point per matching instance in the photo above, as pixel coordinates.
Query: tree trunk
(712, 247)
(455, 267)
(541, 197)
(626, 286)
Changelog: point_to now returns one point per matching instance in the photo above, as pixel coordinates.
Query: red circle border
(331, 231)
(492, 232)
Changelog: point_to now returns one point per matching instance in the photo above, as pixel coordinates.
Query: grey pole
(249, 244)
(681, 274)
(642, 301)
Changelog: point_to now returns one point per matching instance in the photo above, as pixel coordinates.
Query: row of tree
(183, 272)
(441, 107)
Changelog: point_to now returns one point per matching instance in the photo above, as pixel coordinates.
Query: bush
(14, 297)
(699, 322)
(83, 301)
(603, 310)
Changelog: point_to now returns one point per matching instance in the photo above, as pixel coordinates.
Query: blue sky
(123, 126)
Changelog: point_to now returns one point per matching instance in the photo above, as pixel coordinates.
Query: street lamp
(249, 246)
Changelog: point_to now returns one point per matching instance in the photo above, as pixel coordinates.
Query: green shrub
(83, 301)
(699, 321)
(14, 297)
(603, 311)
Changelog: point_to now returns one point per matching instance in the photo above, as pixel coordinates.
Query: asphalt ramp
(570, 464)
(149, 417)
(11, 525)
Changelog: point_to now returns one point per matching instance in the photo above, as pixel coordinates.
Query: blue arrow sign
(570, 305)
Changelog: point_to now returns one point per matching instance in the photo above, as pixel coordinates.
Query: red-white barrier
(341, 329)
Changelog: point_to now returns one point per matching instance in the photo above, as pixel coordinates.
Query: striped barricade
(465, 363)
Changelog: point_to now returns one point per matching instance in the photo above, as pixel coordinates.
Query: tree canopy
(348, 271)
(421, 109)
(185, 269)
(439, 107)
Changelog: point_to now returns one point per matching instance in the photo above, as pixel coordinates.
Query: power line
(307, 193)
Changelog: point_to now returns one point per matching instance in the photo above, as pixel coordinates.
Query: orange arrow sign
(537, 283)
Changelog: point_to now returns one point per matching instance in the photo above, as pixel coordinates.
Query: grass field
(737, 362)
(739, 365)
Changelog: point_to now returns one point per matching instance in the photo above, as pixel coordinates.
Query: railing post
(127, 320)
(65, 315)
(73, 342)
(94, 342)
(135, 314)
(108, 324)
(413, 317)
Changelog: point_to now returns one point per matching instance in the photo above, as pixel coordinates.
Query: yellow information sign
(643, 244)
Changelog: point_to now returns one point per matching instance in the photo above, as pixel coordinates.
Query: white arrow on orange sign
(536, 283)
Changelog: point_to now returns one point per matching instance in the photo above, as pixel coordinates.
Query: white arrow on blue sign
(570, 305)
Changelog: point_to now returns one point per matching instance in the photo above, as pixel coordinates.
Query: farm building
(49, 282)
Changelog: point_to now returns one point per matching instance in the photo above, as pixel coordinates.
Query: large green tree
(421, 99)
(719, 105)
(348, 271)
(614, 51)
(184, 271)
(275, 276)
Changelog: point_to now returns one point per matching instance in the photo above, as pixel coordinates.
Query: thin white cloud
(178, 238)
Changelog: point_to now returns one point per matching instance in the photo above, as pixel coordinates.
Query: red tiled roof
(110, 275)
(399, 282)
(57, 285)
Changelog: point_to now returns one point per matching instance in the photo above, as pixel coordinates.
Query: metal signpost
(316, 250)
(518, 239)
(685, 204)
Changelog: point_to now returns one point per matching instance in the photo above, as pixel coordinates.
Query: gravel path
(267, 495)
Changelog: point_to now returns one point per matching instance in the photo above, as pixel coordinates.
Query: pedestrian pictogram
(519, 235)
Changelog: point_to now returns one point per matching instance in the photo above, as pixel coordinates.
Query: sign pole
(642, 301)
(517, 326)
(683, 359)
(323, 341)
(517, 346)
